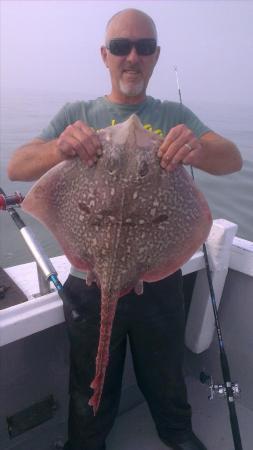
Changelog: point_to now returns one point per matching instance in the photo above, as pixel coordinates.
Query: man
(154, 322)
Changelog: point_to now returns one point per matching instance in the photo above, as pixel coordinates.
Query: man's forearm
(218, 156)
(32, 160)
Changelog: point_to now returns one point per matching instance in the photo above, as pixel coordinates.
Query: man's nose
(133, 55)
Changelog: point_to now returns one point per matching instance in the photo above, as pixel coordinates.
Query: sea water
(24, 115)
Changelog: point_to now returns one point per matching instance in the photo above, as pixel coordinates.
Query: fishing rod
(7, 203)
(229, 390)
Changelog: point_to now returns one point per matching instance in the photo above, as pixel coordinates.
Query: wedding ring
(188, 146)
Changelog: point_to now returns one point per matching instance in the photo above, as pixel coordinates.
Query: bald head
(124, 22)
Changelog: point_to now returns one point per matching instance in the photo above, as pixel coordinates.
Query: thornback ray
(124, 220)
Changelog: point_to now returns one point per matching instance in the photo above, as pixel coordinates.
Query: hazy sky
(53, 45)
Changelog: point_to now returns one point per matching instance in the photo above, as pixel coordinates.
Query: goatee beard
(131, 90)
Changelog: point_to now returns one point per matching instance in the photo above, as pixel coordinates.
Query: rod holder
(44, 283)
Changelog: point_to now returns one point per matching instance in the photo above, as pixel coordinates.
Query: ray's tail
(108, 308)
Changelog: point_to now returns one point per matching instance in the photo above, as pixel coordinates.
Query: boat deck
(135, 430)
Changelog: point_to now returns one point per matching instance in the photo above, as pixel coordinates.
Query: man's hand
(79, 140)
(178, 147)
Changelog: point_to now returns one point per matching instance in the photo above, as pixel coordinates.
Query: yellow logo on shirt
(147, 126)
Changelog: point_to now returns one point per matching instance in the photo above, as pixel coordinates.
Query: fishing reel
(7, 201)
(219, 390)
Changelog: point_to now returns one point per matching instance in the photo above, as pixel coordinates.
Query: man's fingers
(174, 152)
(88, 135)
(168, 141)
(171, 144)
(176, 146)
(91, 146)
(78, 139)
(69, 146)
(183, 152)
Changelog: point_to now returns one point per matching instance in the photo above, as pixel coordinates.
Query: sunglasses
(123, 46)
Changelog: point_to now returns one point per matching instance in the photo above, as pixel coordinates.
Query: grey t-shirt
(155, 115)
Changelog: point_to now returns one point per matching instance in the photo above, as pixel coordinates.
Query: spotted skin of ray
(124, 221)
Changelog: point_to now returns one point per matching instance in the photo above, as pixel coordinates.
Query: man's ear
(103, 51)
(157, 53)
